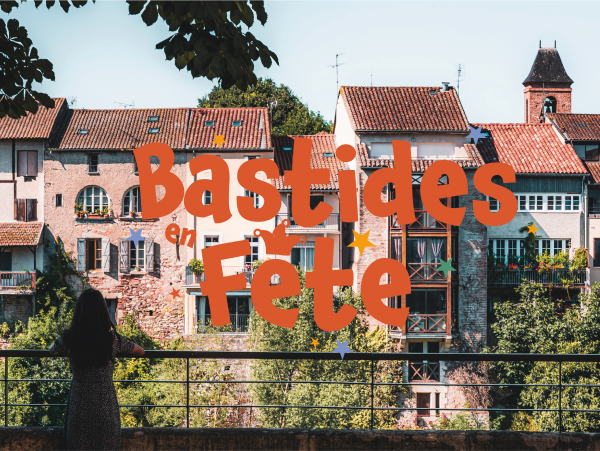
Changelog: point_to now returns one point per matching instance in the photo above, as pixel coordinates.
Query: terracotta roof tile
(529, 149)
(547, 68)
(594, 169)
(420, 165)
(405, 109)
(40, 125)
(321, 143)
(580, 127)
(20, 233)
(253, 133)
(123, 128)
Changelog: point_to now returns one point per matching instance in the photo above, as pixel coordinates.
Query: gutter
(456, 132)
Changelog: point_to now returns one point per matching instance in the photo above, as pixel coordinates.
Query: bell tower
(547, 87)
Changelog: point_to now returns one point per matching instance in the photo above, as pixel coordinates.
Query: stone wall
(17, 307)
(535, 94)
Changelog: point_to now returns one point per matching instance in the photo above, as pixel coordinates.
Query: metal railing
(423, 221)
(195, 279)
(371, 383)
(239, 322)
(421, 323)
(17, 279)
(515, 277)
(425, 271)
(423, 372)
(331, 223)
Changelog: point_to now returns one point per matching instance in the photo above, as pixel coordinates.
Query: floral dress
(92, 420)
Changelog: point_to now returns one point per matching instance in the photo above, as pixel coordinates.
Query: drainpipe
(14, 176)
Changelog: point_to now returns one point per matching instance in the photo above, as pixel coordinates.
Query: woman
(92, 420)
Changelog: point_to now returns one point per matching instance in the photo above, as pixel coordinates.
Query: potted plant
(528, 267)
(197, 269)
(87, 212)
(133, 213)
(580, 260)
(498, 267)
(513, 267)
(104, 211)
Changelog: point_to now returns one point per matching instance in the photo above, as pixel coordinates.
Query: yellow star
(532, 228)
(219, 140)
(361, 241)
(315, 342)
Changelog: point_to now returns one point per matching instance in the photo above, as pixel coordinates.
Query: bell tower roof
(547, 68)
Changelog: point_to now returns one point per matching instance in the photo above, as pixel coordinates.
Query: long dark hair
(90, 337)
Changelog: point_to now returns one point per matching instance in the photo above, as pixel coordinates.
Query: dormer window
(329, 154)
(82, 131)
(287, 148)
(209, 123)
(152, 118)
(588, 151)
(236, 123)
(153, 130)
(433, 92)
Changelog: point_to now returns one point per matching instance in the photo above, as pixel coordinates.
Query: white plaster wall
(593, 232)
(458, 141)
(22, 258)
(344, 134)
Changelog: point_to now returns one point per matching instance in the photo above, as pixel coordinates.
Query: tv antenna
(337, 80)
(459, 70)
(126, 105)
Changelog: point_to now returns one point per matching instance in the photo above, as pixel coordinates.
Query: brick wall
(17, 308)
(145, 294)
(535, 95)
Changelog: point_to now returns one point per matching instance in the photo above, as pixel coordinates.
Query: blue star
(342, 348)
(476, 134)
(135, 236)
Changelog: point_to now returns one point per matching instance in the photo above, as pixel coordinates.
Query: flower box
(94, 215)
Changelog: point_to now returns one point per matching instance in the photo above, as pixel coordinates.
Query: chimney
(445, 83)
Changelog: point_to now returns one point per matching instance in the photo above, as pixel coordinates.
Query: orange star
(174, 293)
(361, 241)
(219, 139)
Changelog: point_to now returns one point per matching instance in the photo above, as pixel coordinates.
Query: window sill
(93, 173)
(87, 220)
(136, 219)
(138, 273)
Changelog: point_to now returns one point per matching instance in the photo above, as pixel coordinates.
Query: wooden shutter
(123, 255)
(20, 209)
(31, 206)
(32, 163)
(149, 254)
(105, 255)
(80, 254)
(22, 163)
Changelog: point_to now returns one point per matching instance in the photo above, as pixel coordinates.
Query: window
(494, 204)
(209, 123)
(132, 202)
(426, 301)
(26, 210)
(256, 197)
(426, 250)
(435, 150)
(587, 151)
(93, 164)
(596, 252)
(153, 130)
(152, 118)
(136, 254)
(83, 131)
(287, 148)
(506, 248)
(381, 150)
(135, 168)
(236, 123)
(5, 261)
(93, 198)
(549, 105)
(240, 308)
(303, 255)
(210, 241)
(522, 203)
(93, 254)
(27, 163)
(58, 201)
(207, 198)
(249, 259)
(423, 402)
(329, 154)
(548, 202)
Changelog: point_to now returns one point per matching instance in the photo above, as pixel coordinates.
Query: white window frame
(202, 237)
(83, 195)
(542, 202)
(130, 193)
(140, 249)
(246, 235)
(206, 198)
(496, 246)
(258, 200)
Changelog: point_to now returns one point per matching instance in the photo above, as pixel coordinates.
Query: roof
(40, 125)
(404, 109)
(321, 143)
(579, 127)
(122, 128)
(594, 169)
(529, 149)
(420, 165)
(20, 233)
(548, 68)
(253, 133)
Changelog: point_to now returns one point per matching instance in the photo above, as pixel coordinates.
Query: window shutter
(105, 255)
(149, 254)
(32, 163)
(22, 163)
(80, 254)
(20, 209)
(123, 255)
(31, 206)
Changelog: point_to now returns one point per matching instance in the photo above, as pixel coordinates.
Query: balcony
(424, 222)
(421, 272)
(331, 224)
(239, 323)
(515, 277)
(425, 324)
(423, 372)
(17, 280)
(192, 280)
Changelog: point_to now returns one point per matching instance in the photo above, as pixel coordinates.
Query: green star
(446, 267)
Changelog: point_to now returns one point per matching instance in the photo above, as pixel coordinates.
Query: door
(423, 402)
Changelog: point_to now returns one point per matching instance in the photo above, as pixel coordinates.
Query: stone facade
(535, 94)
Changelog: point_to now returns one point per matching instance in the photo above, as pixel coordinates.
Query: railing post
(187, 384)
(559, 396)
(6, 391)
(372, 391)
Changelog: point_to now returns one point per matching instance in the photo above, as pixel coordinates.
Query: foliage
(196, 266)
(268, 337)
(289, 117)
(468, 373)
(580, 260)
(529, 245)
(464, 421)
(533, 326)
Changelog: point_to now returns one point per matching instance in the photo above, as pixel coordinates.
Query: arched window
(132, 202)
(93, 198)
(549, 105)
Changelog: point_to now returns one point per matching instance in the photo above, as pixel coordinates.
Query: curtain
(201, 320)
(421, 248)
(436, 247)
(309, 259)
(397, 249)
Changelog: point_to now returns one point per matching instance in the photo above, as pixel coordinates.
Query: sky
(104, 57)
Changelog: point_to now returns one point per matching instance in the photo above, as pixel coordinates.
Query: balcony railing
(239, 323)
(195, 279)
(423, 372)
(515, 277)
(423, 324)
(332, 223)
(17, 280)
(425, 271)
(424, 221)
